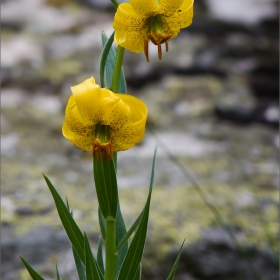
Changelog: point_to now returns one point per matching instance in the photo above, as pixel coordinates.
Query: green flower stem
(117, 70)
(110, 244)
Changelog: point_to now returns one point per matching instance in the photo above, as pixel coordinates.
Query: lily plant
(105, 120)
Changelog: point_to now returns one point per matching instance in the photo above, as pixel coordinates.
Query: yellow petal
(133, 41)
(145, 8)
(87, 97)
(115, 112)
(169, 7)
(83, 142)
(181, 19)
(127, 19)
(133, 131)
(74, 121)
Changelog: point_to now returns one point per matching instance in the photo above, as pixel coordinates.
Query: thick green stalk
(111, 255)
(117, 69)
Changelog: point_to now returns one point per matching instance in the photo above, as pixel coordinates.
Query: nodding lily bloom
(140, 21)
(98, 120)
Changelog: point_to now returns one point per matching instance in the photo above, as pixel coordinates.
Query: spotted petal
(145, 8)
(128, 20)
(116, 113)
(180, 19)
(83, 142)
(133, 131)
(74, 121)
(133, 41)
(169, 7)
(87, 98)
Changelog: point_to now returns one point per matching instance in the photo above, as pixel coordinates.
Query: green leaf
(107, 64)
(92, 270)
(130, 231)
(74, 233)
(100, 256)
(102, 223)
(120, 233)
(106, 186)
(79, 265)
(138, 272)
(173, 270)
(135, 251)
(57, 273)
(32, 272)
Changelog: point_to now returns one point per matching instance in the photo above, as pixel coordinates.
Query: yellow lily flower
(140, 21)
(98, 120)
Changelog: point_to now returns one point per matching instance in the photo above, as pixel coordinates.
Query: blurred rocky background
(213, 101)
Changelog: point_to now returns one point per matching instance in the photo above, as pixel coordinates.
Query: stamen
(146, 49)
(166, 46)
(159, 51)
(106, 149)
(150, 36)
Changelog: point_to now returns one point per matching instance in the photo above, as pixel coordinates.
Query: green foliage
(102, 223)
(106, 186)
(173, 270)
(74, 233)
(92, 270)
(107, 64)
(100, 256)
(135, 251)
(79, 265)
(120, 232)
(130, 231)
(32, 272)
(57, 273)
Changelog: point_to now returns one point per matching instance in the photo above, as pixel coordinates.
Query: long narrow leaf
(100, 256)
(74, 233)
(32, 272)
(57, 274)
(130, 231)
(92, 270)
(110, 63)
(135, 251)
(138, 272)
(120, 232)
(107, 44)
(79, 265)
(106, 186)
(173, 270)
(102, 223)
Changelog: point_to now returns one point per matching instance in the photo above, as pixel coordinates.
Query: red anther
(166, 46)
(106, 149)
(159, 52)
(146, 49)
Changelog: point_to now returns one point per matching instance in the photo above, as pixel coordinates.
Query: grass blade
(135, 251)
(57, 274)
(107, 64)
(173, 270)
(92, 270)
(102, 223)
(74, 233)
(32, 272)
(79, 265)
(130, 231)
(100, 256)
(120, 233)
